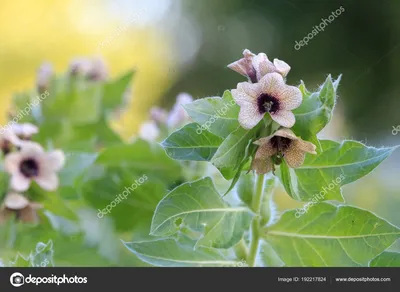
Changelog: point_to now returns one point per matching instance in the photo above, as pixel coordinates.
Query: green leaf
(170, 253)
(84, 106)
(232, 151)
(190, 143)
(386, 259)
(321, 176)
(76, 164)
(329, 235)
(113, 93)
(269, 257)
(215, 114)
(316, 110)
(198, 206)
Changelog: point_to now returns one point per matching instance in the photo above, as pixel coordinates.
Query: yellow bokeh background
(57, 31)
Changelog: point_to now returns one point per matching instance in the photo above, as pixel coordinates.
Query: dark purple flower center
(267, 103)
(281, 144)
(29, 167)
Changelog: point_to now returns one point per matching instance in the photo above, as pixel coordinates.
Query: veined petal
(262, 65)
(249, 116)
(244, 66)
(305, 146)
(272, 84)
(55, 160)
(294, 157)
(281, 67)
(284, 118)
(290, 98)
(286, 133)
(11, 162)
(253, 90)
(262, 165)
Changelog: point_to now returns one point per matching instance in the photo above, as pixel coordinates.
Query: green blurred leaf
(316, 110)
(338, 164)
(170, 253)
(329, 235)
(141, 157)
(386, 259)
(113, 92)
(215, 114)
(198, 206)
(187, 144)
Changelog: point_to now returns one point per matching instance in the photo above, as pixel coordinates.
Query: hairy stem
(255, 224)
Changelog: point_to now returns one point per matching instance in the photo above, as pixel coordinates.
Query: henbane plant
(267, 137)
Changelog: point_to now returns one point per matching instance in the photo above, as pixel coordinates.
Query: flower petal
(55, 160)
(12, 161)
(305, 146)
(286, 133)
(272, 84)
(290, 98)
(262, 162)
(15, 201)
(19, 182)
(244, 66)
(28, 215)
(262, 65)
(281, 67)
(252, 90)
(294, 157)
(249, 116)
(48, 181)
(284, 118)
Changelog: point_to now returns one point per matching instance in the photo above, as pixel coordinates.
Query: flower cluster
(26, 161)
(265, 95)
(161, 119)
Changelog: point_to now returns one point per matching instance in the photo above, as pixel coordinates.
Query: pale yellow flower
(33, 163)
(15, 203)
(254, 67)
(270, 95)
(283, 144)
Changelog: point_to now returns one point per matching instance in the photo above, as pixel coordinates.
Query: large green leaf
(316, 110)
(321, 176)
(232, 151)
(329, 235)
(269, 257)
(198, 206)
(190, 143)
(171, 253)
(386, 259)
(215, 114)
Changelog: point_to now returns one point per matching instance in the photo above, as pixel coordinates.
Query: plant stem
(255, 224)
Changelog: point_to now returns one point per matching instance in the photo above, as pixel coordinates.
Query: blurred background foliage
(184, 46)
